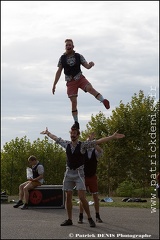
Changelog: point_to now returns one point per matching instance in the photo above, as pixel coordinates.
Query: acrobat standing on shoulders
(71, 61)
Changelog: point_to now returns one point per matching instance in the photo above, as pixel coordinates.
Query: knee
(89, 88)
(95, 197)
(25, 189)
(81, 197)
(74, 101)
(21, 187)
(69, 195)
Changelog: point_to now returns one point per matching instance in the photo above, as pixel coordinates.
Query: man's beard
(73, 138)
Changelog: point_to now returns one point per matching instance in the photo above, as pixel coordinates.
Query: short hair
(32, 158)
(68, 39)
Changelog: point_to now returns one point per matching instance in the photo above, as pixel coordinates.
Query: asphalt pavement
(118, 223)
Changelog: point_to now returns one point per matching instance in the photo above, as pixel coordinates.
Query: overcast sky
(120, 37)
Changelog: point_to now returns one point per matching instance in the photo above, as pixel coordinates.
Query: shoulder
(63, 56)
(80, 56)
(40, 168)
(77, 54)
(82, 59)
(39, 165)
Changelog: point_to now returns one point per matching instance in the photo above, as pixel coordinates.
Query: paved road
(121, 223)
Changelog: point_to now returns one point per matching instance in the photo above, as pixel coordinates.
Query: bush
(125, 189)
(131, 189)
(141, 192)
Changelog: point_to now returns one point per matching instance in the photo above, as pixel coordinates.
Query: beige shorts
(74, 178)
(35, 183)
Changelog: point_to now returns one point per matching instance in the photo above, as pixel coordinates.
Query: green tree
(127, 158)
(14, 160)
(13, 163)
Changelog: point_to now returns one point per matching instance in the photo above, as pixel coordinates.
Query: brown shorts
(73, 85)
(91, 184)
(36, 183)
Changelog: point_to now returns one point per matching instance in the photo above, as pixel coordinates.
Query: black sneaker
(91, 222)
(99, 220)
(75, 126)
(24, 207)
(19, 203)
(67, 222)
(80, 220)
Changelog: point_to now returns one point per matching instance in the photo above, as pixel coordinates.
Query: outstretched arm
(52, 136)
(106, 139)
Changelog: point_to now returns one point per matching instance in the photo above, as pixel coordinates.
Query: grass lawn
(117, 202)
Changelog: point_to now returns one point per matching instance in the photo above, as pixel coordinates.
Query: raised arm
(106, 139)
(52, 136)
(97, 147)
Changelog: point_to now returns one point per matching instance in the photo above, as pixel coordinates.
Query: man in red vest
(91, 182)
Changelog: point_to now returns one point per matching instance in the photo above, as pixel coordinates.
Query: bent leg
(91, 90)
(97, 95)
(26, 189)
(21, 190)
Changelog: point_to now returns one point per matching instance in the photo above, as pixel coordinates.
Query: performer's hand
(91, 136)
(53, 89)
(118, 135)
(91, 64)
(45, 131)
